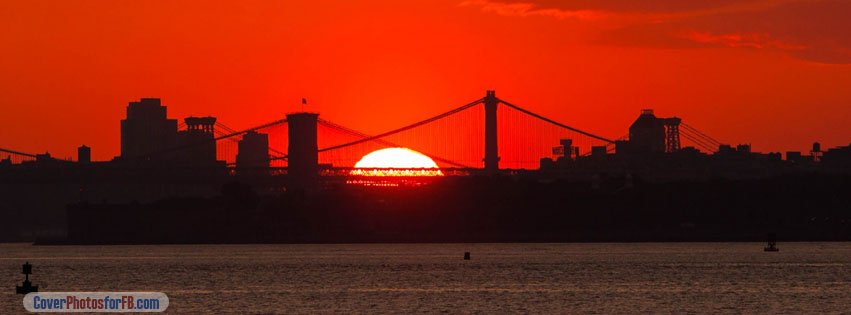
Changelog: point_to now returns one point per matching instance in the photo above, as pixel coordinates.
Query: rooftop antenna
(303, 102)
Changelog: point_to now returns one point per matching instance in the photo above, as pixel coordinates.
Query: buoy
(466, 255)
(27, 287)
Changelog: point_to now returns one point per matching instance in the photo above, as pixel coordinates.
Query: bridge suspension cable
(228, 130)
(701, 134)
(225, 127)
(17, 153)
(395, 131)
(382, 141)
(555, 122)
(237, 133)
(697, 142)
(610, 146)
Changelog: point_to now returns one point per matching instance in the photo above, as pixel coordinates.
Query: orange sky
(772, 73)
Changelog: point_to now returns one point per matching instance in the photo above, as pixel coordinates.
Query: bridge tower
(491, 150)
(672, 134)
(303, 152)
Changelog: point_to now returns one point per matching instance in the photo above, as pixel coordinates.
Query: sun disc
(396, 162)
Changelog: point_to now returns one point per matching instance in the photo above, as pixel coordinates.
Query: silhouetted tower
(147, 130)
(491, 149)
(816, 152)
(197, 142)
(566, 148)
(303, 153)
(672, 134)
(647, 133)
(253, 151)
(84, 154)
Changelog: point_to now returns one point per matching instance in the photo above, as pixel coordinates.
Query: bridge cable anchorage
(697, 141)
(703, 135)
(382, 141)
(555, 122)
(395, 131)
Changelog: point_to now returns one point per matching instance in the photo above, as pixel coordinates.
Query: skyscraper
(147, 131)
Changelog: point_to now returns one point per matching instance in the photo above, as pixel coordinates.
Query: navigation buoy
(466, 255)
(27, 287)
(771, 241)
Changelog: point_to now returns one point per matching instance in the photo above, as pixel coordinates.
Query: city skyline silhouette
(777, 87)
(425, 156)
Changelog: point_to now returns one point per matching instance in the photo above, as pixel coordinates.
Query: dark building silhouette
(303, 153)
(838, 159)
(197, 143)
(253, 151)
(651, 134)
(43, 157)
(84, 154)
(147, 130)
(647, 133)
(797, 157)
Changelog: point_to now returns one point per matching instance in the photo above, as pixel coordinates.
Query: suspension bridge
(488, 133)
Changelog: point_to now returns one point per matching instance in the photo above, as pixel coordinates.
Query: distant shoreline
(810, 207)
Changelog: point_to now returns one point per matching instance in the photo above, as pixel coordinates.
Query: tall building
(147, 133)
(651, 134)
(84, 154)
(647, 133)
(253, 151)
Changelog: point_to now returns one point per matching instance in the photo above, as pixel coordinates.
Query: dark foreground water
(407, 278)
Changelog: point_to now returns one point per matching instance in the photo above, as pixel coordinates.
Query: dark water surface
(500, 278)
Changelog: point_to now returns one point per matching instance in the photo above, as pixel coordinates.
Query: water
(406, 278)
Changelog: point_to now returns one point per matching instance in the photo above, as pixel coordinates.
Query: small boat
(772, 243)
(772, 247)
(27, 286)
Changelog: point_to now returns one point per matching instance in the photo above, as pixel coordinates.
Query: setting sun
(396, 162)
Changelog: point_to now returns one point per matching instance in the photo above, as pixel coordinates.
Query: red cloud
(750, 40)
(809, 30)
(524, 9)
